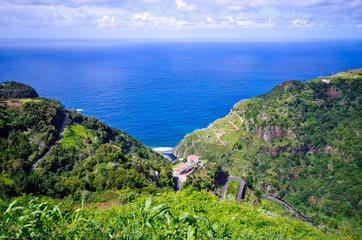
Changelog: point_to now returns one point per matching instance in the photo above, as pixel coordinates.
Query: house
(193, 159)
(183, 168)
(326, 80)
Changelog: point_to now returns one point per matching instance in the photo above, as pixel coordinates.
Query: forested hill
(90, 157)
(300, 141)
(15, 90)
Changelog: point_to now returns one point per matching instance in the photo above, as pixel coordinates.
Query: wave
(162, 149)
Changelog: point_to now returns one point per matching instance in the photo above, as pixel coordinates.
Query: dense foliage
(90, 157)
(209, 176)
(15, 90)
(185, 215)
(300, 141)
(26, 132)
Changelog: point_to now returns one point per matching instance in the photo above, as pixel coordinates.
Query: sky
(181, 19)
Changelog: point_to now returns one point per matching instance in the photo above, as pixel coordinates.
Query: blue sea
(160, 91)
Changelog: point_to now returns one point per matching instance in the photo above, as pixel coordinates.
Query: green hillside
(15, 90)
(27, 130)
(53, 160)
(90, 157)
(301, 141)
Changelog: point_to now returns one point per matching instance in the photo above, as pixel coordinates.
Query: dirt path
(193, 146)
(64, 123)
(217, 135)
(237, 128)
(242, 121)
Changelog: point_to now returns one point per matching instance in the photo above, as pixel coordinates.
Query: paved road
(65, 118)
(177, 182)
(291, 207)
(240, 191)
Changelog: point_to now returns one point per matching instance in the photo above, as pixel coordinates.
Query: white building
(193, 159)
(183, 168)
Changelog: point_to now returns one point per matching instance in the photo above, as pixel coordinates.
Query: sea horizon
(160, 91)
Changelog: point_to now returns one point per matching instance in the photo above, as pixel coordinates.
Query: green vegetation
(27, 132)
(91, 157)
(15, 90)
(301, 141)
(186, 215)
(210, 178)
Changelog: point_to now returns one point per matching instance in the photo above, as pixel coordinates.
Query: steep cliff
(301, 141)
(15, 90)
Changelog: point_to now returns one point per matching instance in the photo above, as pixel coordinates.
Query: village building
(183, 168)
(193, 159)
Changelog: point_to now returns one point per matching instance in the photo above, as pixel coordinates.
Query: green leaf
(148, 203)
(190, 233)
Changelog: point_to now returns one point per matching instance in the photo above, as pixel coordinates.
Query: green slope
(94, 157)
(301, 141)
(91, 156)
(185, 215)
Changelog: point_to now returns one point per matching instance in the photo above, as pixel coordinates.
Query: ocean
(160, 91)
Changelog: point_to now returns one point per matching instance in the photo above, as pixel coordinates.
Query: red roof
(193, 157)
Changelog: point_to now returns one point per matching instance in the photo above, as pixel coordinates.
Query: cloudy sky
(184, 19)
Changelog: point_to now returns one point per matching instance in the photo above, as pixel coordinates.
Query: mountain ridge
(296, 135)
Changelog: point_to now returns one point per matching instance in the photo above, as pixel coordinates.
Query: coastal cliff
(49, 150)
(15, 90)
(300, 141)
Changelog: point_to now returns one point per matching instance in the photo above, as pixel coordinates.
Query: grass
(232, 189)
(185, 215)
(24, 100)
(75, 135)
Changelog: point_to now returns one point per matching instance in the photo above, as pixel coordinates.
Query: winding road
(291, 207)
(61, 131)
(240, 191)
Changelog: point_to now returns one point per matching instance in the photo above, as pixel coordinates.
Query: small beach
(166, 152)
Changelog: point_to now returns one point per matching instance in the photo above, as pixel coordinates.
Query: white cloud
(106, 21)
(169, 15)
(183, 6)
(235, 8)
(299, 22)
(268, 23)
(141, 16)
(243, 23)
